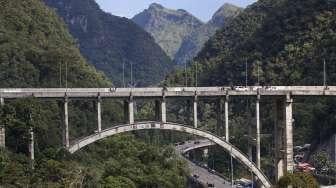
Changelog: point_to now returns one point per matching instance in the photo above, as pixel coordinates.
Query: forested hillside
(284, 42)
(111, 43)
(35, 48)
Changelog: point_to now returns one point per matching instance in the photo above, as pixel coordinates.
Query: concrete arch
(234, 152)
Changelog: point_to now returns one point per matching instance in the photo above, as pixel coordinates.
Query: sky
(203, 9)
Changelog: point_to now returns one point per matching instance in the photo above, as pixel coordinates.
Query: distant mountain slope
(109, 41)
(35, 48)
(178, 32)
(193, 44)
(168, 27)
(284, 43)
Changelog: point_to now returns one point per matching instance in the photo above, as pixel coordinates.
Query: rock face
(168, 27)
(113, 44)
(179, 33)
(193, 44)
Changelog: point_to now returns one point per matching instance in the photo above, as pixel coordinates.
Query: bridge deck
(168, 92)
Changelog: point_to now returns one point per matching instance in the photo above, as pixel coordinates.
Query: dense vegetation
(35, 48)
(298, 180)
(109, 42)
(283, 43)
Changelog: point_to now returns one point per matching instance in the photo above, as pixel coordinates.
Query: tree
(298, 180)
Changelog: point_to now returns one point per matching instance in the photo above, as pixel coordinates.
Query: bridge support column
(163, 111)
(206, 153)
(99, 120)
(2, 127)
(195, 112)
(131, 111)
(66, 139)
(289, 134)
(31, 147)
(258, 131)
(284, 137)
(226, 108)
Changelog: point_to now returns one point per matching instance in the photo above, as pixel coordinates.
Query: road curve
(203, 174)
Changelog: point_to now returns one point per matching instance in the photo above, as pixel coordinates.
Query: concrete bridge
(282, 95)
(203, 174)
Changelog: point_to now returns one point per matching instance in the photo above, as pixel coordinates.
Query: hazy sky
(203, 9)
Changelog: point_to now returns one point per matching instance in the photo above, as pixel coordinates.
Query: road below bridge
(204, 176)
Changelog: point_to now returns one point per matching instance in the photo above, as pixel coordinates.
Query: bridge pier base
(283, 131)
(2, 128)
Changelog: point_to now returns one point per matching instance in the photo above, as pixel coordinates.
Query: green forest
(273, 42)
(35, 50)
(281, 42)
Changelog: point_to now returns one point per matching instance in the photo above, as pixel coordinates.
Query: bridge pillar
(66, 140)
(289, 134)
(284, 137)
(258, 131)
(2, 128)
(226, 109)
(163, 111)
(206, 153)
(131, 111)
(31, 147)
(195, 112)
(99, 120)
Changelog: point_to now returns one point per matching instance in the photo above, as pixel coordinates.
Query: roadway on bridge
(203, 174)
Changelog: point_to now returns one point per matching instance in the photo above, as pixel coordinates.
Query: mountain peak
(227, 11)
(168, 26)
(155, 6)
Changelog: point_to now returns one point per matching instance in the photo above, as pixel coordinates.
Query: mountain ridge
(178, 32)
(194, 43)
(113, 44)
(160, 22)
